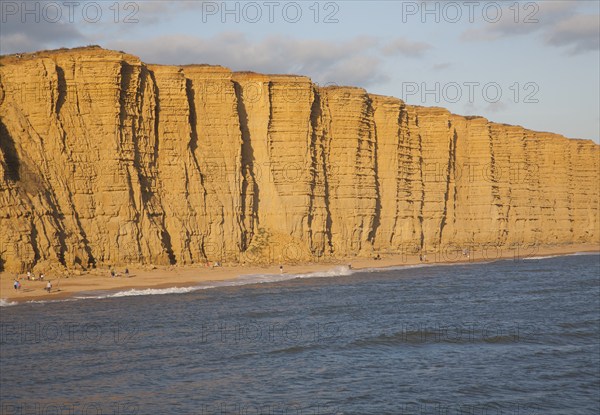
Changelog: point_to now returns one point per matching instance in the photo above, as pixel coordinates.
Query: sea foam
(6, 303)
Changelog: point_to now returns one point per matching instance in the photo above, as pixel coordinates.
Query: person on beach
(126, 272)
(281, 269)
(49, 286)
(42, 276)
(112, 273)
(28, 275)
(16, 285)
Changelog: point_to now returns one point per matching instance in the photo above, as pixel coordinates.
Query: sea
(506, 337)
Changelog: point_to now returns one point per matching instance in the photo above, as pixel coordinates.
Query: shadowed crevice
(62, 89)
(422, 198)
(34, 244)
(11, 157)
(450, 173)
(400, 177)
(250, 191)
(164, 233)
(377, 211)
(316, 117)
(144, 179)
(193, 119)
(193, 144)
(315, 113)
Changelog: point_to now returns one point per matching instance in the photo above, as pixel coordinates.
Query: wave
(241, 280)
(260, 279)
(6, 303)
(148, 291)
(541, 257)
(405, 267)
(557, 256)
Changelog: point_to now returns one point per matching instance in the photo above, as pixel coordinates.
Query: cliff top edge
(96, 52)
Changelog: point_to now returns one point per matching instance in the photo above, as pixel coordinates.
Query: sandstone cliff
(107, 160)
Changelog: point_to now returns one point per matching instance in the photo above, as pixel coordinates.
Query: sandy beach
(71, 284)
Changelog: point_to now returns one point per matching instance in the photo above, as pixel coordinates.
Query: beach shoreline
(100, 281)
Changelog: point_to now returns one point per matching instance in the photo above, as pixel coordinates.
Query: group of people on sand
(30, 277)
(114, 274)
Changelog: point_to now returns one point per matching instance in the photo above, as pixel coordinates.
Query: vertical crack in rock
(422, 185)
(449, 179)
(323, 161)
(9, 152)
(570, 194)
(34, 244)
(402, 186)
(62, 89)
(79, 235)
(165, 236)
(500, 185)
(329, 174)
(374, 141)
(128, 100)
(317, 247)
(319, 215)
(454, 177)
(249, 191)
(192, 148)
(493, 176)
(407, 182)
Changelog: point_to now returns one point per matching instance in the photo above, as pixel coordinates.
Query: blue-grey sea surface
(506, 337)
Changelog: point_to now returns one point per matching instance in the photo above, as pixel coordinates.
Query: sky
(534, 64)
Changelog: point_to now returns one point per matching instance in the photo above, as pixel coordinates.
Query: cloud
(405, 47)
(495, 107)
(352, 62)
(441, 66)
(516, 21)
(160, 10)
(47, 24)
(31, 36)
(559, 23)
(580, 33)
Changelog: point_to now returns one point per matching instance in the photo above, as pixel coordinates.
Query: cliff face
(107, 160)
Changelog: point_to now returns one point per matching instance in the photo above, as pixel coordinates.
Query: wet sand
(70, 284)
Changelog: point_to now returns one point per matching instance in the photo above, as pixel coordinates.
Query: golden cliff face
(107, 160)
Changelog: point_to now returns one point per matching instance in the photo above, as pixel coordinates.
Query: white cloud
(559, 23)
(401, 46)
(31, 36)
(352, 62)
(441, 66)
(496, 107)
(580, 33)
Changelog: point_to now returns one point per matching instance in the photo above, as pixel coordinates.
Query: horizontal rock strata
(107, 160)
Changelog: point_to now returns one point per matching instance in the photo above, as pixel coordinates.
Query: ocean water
(508, 337)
